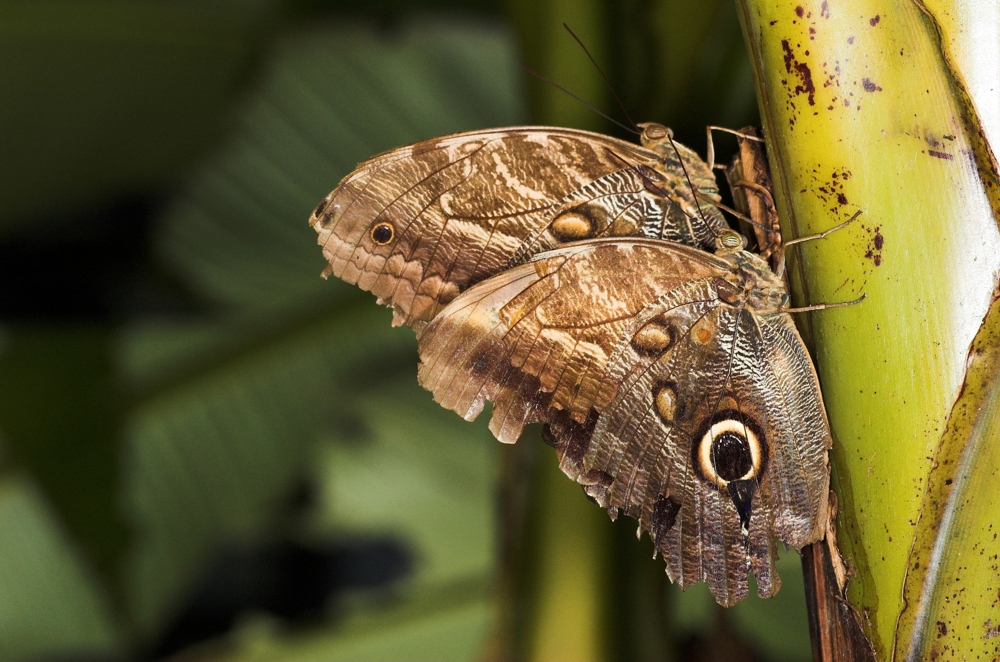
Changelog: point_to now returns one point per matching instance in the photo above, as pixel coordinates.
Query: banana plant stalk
(887, 108)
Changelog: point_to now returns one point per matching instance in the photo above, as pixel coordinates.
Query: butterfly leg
(711, 145)
(824, 306)
(809, 237)
(821, 235)
(762, 191)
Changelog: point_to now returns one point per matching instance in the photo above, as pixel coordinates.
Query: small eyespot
(655, 337)
(571, 226)
(665, 400)
(703, 331)
(382, 234)
(729, 450)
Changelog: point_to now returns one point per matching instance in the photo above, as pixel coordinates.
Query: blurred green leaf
(110, 97)
(683, 64)
(49, 602)
(227, 411)
(60, 410)
(330, 98)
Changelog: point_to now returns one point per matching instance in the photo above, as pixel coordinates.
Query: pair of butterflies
(591, 284)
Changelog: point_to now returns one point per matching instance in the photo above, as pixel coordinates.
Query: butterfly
(592, 285)
(419, 224)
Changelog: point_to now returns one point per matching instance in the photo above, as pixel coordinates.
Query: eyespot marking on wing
(321, 207)
(731, 449)
(572, 226)
(655, 337)
(704, 330)
(383, 233)
(667, 403)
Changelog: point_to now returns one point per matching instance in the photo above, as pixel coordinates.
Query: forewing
(419, 224)
(535, 340)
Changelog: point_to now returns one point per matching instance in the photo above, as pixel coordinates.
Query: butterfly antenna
(743, 217)
(687, 177)
(603, 77)
(575, 97)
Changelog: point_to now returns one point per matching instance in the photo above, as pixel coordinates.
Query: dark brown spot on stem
(801, 69)
(870, 86)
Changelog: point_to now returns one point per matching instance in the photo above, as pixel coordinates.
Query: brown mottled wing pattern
(419, 224)
(538, 337)
(727, 362)
(629, 350)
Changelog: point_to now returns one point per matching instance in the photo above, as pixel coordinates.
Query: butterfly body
(544, 272)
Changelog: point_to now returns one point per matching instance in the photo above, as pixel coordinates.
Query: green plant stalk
(862, 111)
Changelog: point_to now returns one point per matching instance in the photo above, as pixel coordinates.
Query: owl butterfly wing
(419, 224)
(716, 441)
(535, 340)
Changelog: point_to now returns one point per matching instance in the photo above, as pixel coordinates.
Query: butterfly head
(654, 135)
(729, 242)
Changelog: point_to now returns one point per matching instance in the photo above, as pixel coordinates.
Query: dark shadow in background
(291, 581)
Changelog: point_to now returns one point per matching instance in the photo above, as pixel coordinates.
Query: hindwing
(666, 393)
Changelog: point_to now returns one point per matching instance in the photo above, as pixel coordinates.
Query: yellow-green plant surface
(872, 106)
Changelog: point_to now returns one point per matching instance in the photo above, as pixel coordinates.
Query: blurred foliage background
(208, 452)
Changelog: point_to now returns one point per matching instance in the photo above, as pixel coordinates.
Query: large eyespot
(383, 233)
(731, 449)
